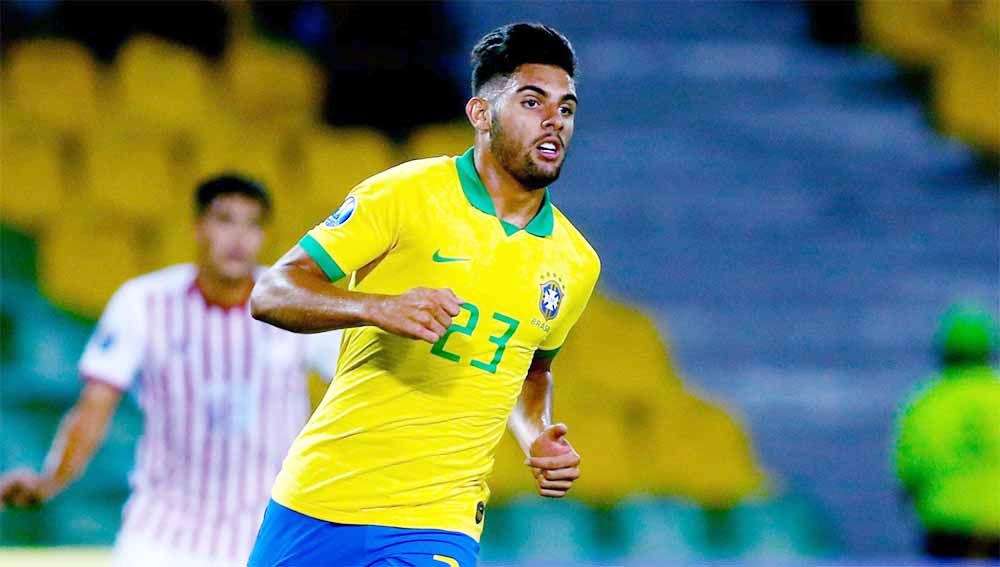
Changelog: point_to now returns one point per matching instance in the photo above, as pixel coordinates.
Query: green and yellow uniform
(948, 451)
(406, 433)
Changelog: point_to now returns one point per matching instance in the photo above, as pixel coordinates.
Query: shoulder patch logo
(106, 341)
(551, 297)
(343, 214)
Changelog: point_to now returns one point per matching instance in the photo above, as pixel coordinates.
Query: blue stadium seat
(532, 528)
(660, 529)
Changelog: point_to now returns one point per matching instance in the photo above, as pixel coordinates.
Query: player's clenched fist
(554, 462)
(22, 487)
(421, 313)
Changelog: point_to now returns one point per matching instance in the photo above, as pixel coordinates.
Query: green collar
(475, 191)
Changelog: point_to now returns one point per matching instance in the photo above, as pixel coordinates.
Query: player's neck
(223, 292)
(513, 202)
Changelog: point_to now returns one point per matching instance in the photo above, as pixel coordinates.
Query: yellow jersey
(405, 435)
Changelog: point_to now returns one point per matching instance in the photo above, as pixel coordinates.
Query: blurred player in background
(463, 282)
(222, 395)
(948, 442)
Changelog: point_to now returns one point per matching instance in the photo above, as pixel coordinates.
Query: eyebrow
(544, 93)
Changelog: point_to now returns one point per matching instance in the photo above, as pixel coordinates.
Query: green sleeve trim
(317, 253)
(547, 354)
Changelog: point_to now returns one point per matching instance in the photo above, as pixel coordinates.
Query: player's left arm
(553, 461)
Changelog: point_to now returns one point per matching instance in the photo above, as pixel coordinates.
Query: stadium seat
(164, 89)
(45, 348)
(132, 176)
(174, 242)
(86, 256)
(667, 530)
(967, 91)
(55, 82)
(338, 159)
(702, 452)
(766, 530)
(79, 519)
(31, 186)
(448, 139)
(18, 263)
(912, 33)
(274, 84)
(532, 528)
(32, 426)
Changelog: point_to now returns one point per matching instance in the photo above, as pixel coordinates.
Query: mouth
(550, 149)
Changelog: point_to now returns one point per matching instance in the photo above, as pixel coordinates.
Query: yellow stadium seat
(449, 139)
(132, 177)
(271, 83)
(85, 256)
(337, 160)
(174, 242)
(702, 453)
(988, 18)
(913, 33)
(31, 177)
(967, 91)
(163, 88)
(636, 427)
(54, 82)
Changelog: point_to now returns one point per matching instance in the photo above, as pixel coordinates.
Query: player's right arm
(296, 295)
(80, 434)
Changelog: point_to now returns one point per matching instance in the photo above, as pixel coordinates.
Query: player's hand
(421, 313)
(23, 487)
(554, 462)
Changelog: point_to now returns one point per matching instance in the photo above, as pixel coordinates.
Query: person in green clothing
(947, 445)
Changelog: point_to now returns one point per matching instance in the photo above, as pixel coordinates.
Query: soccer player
(457, 280)
(222, 395)
(947, 441)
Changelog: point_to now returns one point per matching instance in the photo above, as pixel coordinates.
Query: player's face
(533, 124)
(229, 236)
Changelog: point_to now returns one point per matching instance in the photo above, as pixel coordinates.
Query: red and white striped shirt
(223, 396)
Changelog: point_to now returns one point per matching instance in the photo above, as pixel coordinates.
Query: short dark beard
(520, 166)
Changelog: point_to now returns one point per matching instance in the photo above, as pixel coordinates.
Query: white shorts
(132, 551)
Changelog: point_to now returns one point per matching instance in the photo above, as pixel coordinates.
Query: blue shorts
(290, 539)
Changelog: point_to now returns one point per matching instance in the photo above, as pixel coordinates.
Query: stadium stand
(958, 44)
(274, 83)
(30, 159)
(162, 89)
(53, 83)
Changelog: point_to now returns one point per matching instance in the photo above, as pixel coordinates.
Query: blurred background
(786, 198)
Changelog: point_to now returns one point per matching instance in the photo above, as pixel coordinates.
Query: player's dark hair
(230, 184)
(503, 50)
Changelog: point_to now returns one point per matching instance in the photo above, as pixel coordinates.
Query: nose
(554, 120)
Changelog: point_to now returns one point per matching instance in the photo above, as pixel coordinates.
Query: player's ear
(478, 112)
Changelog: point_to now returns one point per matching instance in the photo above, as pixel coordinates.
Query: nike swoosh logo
(444, 259)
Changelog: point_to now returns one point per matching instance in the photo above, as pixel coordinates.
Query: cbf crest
(553, 291)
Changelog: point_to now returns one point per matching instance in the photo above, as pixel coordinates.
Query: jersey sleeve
(575, 304)
(323, 352)
(115, 351)
(364, 227)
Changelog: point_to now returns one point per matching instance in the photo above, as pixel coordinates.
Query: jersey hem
(368, 518)
(547, 354)
(90, 377)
